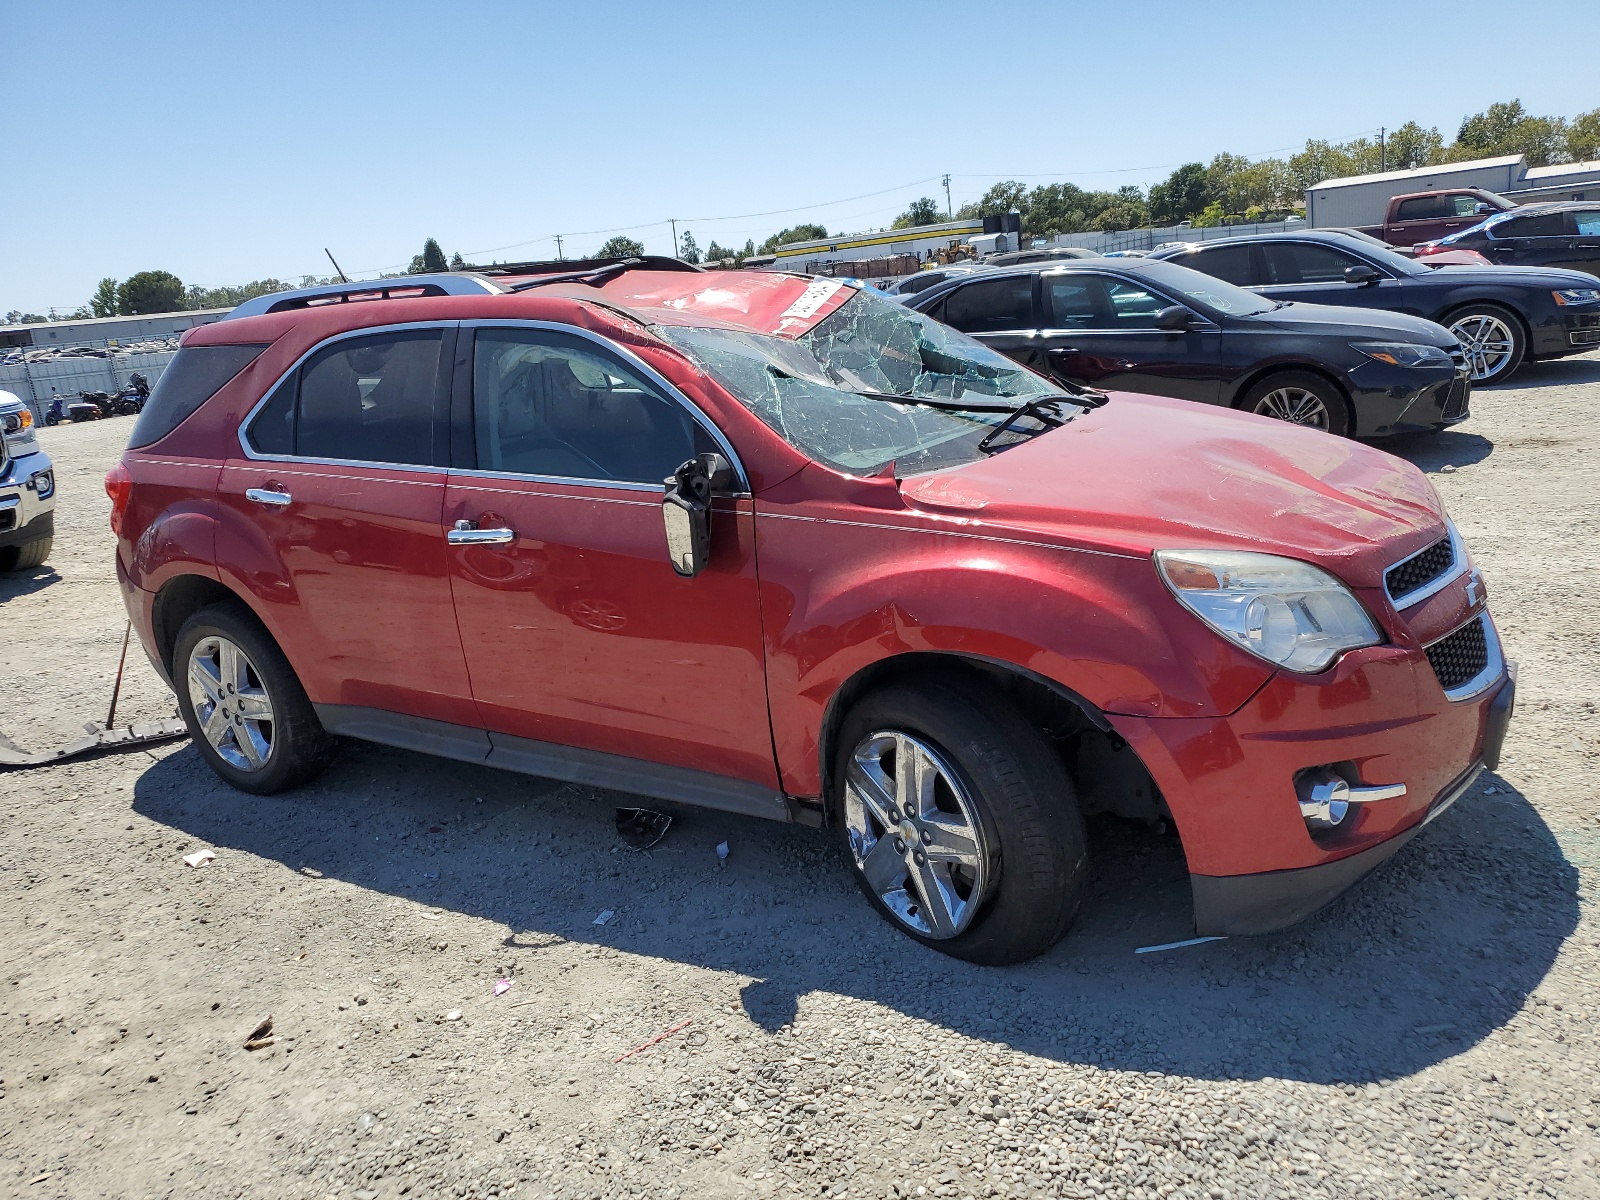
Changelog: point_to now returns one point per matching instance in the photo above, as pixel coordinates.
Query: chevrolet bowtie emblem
(1474, 582)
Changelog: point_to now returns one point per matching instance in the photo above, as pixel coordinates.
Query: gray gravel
(1437, 1032)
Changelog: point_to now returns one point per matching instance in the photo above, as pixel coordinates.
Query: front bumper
(1229, 782)
(1389, 399)
(24, 515)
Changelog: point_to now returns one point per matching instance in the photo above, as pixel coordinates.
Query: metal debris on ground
(642, 828)
(96, 739)
(261, 1036)
(1199, 941)
(660, 1037)
(199, 858)
(604, 917)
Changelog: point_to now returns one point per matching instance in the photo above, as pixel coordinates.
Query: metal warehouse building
(103, 329)
(1360, 199)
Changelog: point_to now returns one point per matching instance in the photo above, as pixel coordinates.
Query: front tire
(1492, 338)
(244, 705)
(960, 823)
(26, 556)
(1300, 398)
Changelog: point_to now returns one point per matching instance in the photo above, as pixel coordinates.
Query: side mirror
(1360, 273)
(1480, 208)
(1174, 317)
(686, 510)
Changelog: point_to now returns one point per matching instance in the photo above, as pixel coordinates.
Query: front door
(331, 521)
(1313, 273)
(578, 632)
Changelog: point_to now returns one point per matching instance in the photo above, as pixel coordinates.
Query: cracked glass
(809, 390)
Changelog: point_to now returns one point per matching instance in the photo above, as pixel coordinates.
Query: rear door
(1417, 219)
(578, 632)
(1536, 240)
(1101, 330)
(1585, 223)
(1001, 313)
(331, 519)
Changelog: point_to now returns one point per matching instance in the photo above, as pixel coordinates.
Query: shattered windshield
(809, 389)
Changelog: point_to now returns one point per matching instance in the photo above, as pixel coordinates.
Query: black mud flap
(96, 740)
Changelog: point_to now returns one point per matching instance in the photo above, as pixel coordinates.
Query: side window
(1074, 301)
(1228, 263)
(992, 306)
(1422, 208)
(1306, 262)
(1132, 306)
(548, 403)
(1537, 225)
(1586, 222)
(368, 399)
(1463, 205)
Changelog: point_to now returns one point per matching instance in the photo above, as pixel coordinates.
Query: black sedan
(1532, 235)
(1502, 316)
(1142, 325)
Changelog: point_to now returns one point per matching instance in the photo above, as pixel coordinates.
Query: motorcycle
(127, 402)
(54, 416)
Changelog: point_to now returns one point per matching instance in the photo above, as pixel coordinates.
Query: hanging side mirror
(686, 510)
(1175, 318)
(1361, 274)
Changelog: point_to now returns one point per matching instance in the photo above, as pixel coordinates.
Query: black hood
(1358, 322)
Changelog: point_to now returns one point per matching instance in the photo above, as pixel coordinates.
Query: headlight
(1287, 612)
(1576, 295)
(25, 420)
(1404, 354)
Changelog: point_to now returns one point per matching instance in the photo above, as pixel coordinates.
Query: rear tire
(1492, 338)
(996, 838)
(26, 556)
(246, 711)
(1300, 398)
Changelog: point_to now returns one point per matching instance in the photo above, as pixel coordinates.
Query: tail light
(1422, 249)
(119, 486)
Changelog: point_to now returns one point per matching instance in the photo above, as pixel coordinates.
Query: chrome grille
(1460, 657)
(1414, 573)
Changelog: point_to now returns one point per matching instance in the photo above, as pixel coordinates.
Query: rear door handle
(465, 535)
(263, 496)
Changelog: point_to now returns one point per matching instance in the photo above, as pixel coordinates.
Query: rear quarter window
(193, 377)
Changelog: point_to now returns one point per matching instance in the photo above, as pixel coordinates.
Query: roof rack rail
(583, 266)
(399, 287)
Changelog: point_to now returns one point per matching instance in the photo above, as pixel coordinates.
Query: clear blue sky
(228, 142)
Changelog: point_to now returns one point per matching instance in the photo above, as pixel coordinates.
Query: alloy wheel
(1296, 405)
(231, 706)
(1487, 342)
(914, 834)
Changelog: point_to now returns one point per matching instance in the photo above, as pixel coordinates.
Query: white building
(1364, 199)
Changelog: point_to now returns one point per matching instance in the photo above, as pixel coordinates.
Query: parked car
(513, 519)
(1425, 216)
(910, 285)
(1146, 325)
(27, 490)
(1534, 235)
(1014, 258)
(1502, 316)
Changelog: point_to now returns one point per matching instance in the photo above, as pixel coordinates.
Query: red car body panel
(580, 634)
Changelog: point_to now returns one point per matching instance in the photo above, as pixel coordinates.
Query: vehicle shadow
(1427, 957)
(1433, 452)
(14, 584)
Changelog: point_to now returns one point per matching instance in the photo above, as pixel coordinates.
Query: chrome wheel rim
(915, 835)
(231, 705)
(1487, 342)
(1295, 405)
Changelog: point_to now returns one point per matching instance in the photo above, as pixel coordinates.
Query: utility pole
(558, 247)
(949, 210)
(1383, 149)
(674, 222)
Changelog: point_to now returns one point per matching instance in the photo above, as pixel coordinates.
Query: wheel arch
(1247, 383)
(180, 598)
(1109, 775)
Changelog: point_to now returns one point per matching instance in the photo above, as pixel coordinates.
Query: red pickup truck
(1424, 216)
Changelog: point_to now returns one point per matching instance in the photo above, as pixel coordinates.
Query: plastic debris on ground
(1199, 941)
(642, 828)
(502, 986)
(199, 858)
(261, 1036)
(722, 851)
(660, 1037)
(453, 1015)
(604, 917)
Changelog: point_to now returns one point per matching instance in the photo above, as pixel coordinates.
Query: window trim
(1382, 270)
(447, 358)
(1101, 274)
(985, 278)
(672, 393)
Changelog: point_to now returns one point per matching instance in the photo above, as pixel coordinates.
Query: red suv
(784, 547)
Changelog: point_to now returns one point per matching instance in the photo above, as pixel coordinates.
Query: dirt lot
(1437, 1032)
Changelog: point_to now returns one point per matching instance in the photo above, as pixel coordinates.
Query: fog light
(1324, 799)
(44, 485)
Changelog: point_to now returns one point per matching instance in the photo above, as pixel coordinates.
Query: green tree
(795, 233)
(18, 317)
(923, 211)
(1319, 161)
(1583, 136)
(457, 263)
(150, 292)
(1182, 194)
(1210, 216)
(1411, 146)
(104, 301)
(430, 261)
(688, 248)
(1508, 128)
(620, 247)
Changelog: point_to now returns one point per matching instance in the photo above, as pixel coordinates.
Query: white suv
(27, 490)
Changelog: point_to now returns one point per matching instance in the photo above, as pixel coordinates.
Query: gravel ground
(1436, 1032)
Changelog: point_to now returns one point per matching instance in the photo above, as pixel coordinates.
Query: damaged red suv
(781, 546)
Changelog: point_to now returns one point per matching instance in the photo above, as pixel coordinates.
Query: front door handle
(263, 496)
(465, 534)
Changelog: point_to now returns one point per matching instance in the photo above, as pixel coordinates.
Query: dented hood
(1145, 473)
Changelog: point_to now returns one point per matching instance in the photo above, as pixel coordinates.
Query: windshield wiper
(1037, 407)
